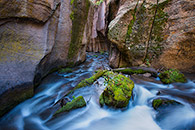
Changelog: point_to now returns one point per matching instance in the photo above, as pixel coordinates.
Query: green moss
(159, 103)
(129, 31)
(90, 80)
(157, 37)
(95, 56)
(138, 31)
(131, 71)
(101, 100)
(65, 70)
(78, 102)
(101, 52)
(72, 15)
(156, 103)
(118, 90)
(71, 2)
(99, 2)
(79, 19)
(147, 27)
(172, 76)
(133, 21)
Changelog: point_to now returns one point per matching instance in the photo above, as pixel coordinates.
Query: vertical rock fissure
(150, 35)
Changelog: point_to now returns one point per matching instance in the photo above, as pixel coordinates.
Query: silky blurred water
(37, 113)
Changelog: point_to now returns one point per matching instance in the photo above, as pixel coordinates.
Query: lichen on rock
(118, 90)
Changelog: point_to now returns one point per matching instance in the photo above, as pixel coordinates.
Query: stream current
(37, 113)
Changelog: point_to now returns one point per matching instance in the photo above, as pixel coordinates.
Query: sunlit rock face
(160, 31)
(37, 36)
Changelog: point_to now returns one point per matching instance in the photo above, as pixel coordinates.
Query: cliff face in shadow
(37, 37)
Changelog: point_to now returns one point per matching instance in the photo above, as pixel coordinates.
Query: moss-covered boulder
(163, 103)
(78, 102)
(118, 90)
(172, 76)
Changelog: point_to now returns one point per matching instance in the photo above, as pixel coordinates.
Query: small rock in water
(160, 103)
(172, 76)
(64, 101)
(77, 102)
(147, 75)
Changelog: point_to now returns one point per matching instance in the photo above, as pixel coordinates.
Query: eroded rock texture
(159, 31)
(37, 36)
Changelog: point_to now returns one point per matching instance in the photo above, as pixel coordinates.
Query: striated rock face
(39, 10)
(35, 38)
(161, 32)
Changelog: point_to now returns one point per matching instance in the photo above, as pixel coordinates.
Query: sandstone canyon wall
(37, 36)
(161, 32)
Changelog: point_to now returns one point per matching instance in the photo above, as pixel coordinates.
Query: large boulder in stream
(37, 36)
(118, 90)
(158, 31)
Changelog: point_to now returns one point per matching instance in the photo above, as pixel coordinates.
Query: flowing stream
(37, 113)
